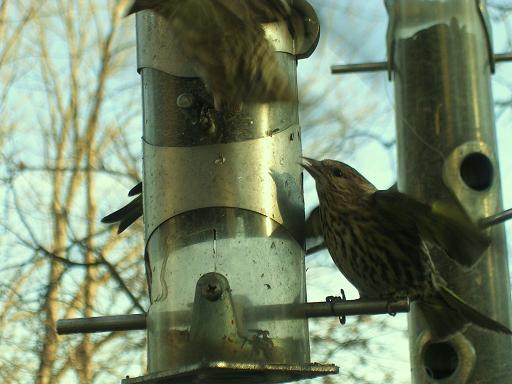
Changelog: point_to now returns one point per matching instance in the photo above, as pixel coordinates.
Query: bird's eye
(337, 172)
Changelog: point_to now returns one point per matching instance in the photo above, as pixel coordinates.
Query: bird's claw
(400, 295)
(337, 299)
(390, 312)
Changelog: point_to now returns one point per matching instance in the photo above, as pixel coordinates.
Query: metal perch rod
(383, 65)
(496, 219)
(101, 324)
(286, 311)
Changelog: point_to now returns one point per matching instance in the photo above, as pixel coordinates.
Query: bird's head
(334, 177)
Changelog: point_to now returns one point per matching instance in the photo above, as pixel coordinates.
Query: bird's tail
(442, 321)
(129, 213)
(126, 215)
(446, 314)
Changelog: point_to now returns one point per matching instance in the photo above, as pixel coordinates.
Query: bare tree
(68, 149)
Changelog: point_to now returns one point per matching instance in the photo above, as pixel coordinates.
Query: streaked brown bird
(378, 241)
(226, 44)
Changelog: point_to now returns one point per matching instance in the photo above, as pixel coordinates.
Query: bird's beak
(312, 166)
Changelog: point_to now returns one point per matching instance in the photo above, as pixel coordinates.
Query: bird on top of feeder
(226, 44)
(378, 240)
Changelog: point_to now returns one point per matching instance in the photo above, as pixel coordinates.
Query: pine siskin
(377, 240)
(225, 42)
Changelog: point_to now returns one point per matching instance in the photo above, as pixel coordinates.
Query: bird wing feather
(136, 190)
(227, 45)
(125, 215)
(445, 225)
(313, 232)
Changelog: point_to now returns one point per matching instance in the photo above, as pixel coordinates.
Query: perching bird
(224, 41)
(129, 213)
(378, 241)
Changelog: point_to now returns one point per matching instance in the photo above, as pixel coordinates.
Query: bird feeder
(223, 209)
(440, 57)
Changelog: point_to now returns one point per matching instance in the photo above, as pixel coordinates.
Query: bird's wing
(139, 5)
(454, 231)
(313, 232)
(443, 224)
(397, 223)
(314, 224)
(227, 45)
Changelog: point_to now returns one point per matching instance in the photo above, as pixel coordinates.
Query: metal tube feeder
(223, 211)
(440, 58)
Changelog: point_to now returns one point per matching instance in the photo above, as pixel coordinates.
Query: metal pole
(363, 67)
(440, 54)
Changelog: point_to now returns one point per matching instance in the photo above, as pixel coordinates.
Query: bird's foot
(337, 299)
(390, 311)
(397, 296)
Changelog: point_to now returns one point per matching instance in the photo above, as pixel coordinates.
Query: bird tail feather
(442, 321)
(447, 314)
(470, 313)
(125, 215)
